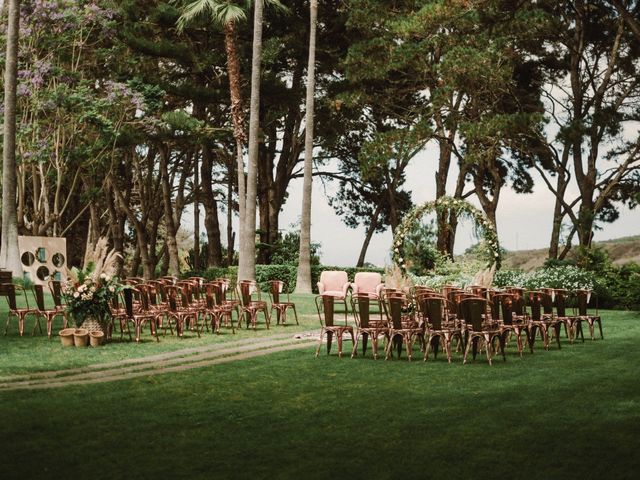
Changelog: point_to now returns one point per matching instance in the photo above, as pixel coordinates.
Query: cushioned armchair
(334, 283)
(369, 283)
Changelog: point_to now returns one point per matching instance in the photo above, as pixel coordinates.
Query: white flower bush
(568, 277)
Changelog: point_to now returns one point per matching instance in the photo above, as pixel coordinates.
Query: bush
(569, 277)
(619, 287)
(509, 278)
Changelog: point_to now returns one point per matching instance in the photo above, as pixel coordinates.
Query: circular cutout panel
(41, 254)
(27, 259)
(42, 273)
(58, 260)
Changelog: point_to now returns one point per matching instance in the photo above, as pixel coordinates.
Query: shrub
(619, 287)
(509, 278)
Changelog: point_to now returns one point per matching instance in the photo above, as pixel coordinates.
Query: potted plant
(90, 291)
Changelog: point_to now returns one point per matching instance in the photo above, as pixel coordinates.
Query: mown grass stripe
(58, 383)
(150, 358)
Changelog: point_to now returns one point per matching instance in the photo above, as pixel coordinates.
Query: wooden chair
(228, 296)
(438, 329)
(118, 313)
(502, 308)
(325, 306)
(572, 323)
(182, 311)
(582, 300)
(554, 324)
(366, 326)
(533, 312)
(55, 287)
(49, 314)
(276, 288)
(404, 329)
(144, 314)
(215, 311)
(479, 334)
(19, 312)
(249, 307)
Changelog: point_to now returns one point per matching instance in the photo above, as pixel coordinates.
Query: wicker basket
(92, 325)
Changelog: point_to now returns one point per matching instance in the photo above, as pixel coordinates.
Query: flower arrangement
(460, 207)
(90, 291)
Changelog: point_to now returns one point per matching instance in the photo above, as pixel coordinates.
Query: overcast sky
(524, 221)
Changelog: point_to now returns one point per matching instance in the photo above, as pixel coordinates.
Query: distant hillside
(621, 250)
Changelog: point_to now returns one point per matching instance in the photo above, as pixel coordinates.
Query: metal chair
(438, 329)
(325, 305)
(479, 333)
(366, 326)
(49, 314)
(403, 327)
(249, 307)
(20, 313)
(276, 288)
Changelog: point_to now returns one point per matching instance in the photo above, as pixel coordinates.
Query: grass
(29, 353)
(569, 413)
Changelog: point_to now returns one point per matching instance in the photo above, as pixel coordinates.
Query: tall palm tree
(227, 14)
(9, 251)
(303, 282)
(247, 264)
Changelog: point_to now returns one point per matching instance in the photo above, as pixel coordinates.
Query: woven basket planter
(92, 325)
(66, 337)
(81, 337)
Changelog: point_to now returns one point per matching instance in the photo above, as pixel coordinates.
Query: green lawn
(37, 353)
(569, 413)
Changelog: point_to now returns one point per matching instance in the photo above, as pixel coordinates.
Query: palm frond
(194, 10)
(228, 12)
(221, 12)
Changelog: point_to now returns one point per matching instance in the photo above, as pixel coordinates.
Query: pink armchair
(369, 283)
(334, 283)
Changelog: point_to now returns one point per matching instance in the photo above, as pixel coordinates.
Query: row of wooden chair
(198, 304)
(164, 303)
(477, 319)
(38, 310)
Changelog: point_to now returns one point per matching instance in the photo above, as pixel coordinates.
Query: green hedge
(617, 287)
(287, 273)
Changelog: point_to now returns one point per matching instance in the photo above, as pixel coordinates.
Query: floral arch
(461, 208)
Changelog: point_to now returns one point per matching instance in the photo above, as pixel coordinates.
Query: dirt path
(176, 361)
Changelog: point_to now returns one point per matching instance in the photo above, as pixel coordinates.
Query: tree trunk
(444, 230)
(247, 267)
(558, 209)
(141, 234)
(169, 222)
(303, 281)
(237, 118)
(9, 250)
(116, 225)
(230, 234)
(196, 215)
(211, 223)
(367, 239)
